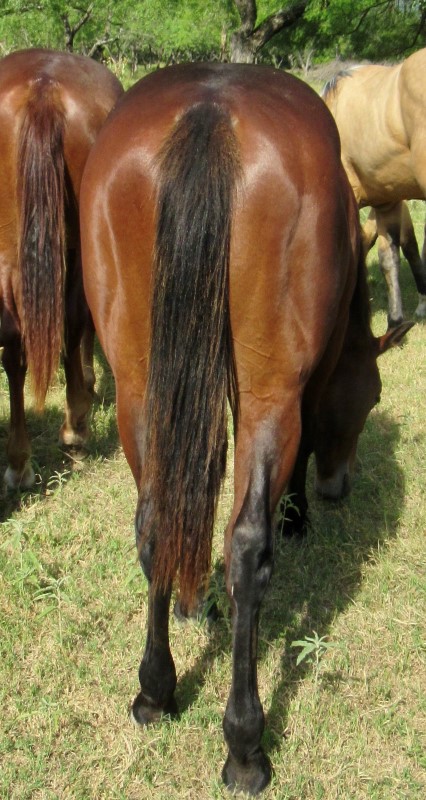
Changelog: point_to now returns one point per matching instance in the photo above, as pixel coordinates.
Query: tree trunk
(241, 49)
(248, 40)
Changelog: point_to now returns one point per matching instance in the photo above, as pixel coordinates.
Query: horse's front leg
(294, 505)
(87, 356)
(75, 431)
(19, 473)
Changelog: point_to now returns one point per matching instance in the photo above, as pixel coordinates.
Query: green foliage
(359, 29)
(152, 32)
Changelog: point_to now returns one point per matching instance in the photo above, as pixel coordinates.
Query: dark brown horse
(380, 112)
(52, 106)
(209, 209)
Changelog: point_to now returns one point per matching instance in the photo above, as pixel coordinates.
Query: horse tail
(191, 364)
(330, 88)
(41, 256)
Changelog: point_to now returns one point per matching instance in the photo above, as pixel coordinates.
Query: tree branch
(284, 18)
(72, 30)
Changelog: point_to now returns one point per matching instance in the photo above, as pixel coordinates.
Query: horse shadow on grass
(51, 462)
(316, 578)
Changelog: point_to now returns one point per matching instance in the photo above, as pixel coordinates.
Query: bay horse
(209, 208)
(380, 113)
(52, 105)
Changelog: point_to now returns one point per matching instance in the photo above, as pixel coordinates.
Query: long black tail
(41, 189)
(192, 368)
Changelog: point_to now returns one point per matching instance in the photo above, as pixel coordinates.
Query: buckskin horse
(209, 209)
(52, 106)
(380, 112)
(397, 225)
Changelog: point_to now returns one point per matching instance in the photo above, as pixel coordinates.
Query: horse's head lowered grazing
(209, 210)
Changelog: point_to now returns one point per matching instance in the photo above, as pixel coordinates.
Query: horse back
(379, 110)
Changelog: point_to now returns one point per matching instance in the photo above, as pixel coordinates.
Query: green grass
(73, 614)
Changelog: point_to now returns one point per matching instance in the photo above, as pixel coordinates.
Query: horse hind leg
(157, 673)
(417, 264)
(249, 561)
(19, 473)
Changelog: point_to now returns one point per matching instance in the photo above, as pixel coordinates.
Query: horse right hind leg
(19, 473)
(263, 464)
(410, 249)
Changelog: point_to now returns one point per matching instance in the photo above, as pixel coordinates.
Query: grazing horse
(380, 112)
(209, 208)
(52, 106)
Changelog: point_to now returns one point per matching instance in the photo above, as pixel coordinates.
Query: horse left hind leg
(388, 229)
(19, 473)
(157, 673)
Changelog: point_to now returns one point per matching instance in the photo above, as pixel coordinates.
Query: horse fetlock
(74, 435)
(89, 379)
(145, 712)
(19, 479)
(247, 768)
(251, 775)
(421, 308)
(157, 676)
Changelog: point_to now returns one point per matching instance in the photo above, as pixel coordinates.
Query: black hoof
(145, 713)
(252, 777)
(294, 523)
(393, 323)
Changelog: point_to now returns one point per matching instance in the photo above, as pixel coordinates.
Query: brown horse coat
(209, 209)
(52, 106)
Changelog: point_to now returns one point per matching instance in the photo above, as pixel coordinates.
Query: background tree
(251, 37)
(156, 32)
